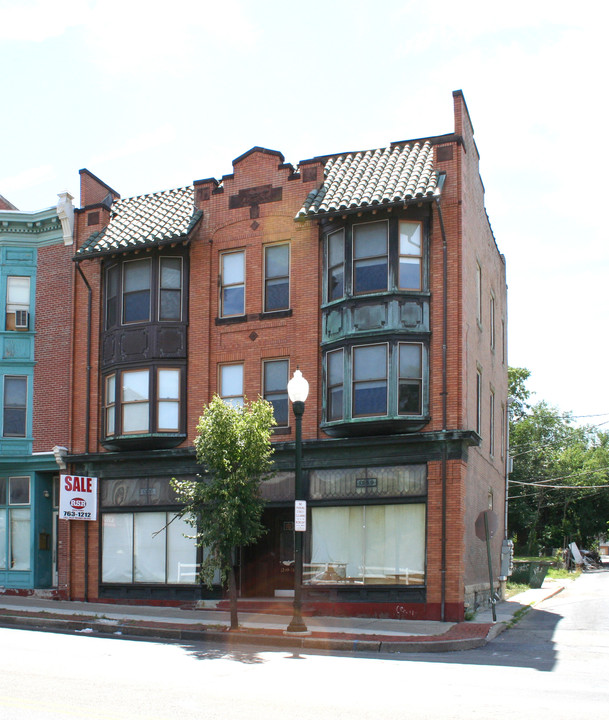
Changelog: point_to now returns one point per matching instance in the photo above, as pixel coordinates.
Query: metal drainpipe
(87, 413)
(444, 403)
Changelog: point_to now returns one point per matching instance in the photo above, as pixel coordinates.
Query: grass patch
(512, 588)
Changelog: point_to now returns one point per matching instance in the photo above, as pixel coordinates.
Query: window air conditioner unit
(22, 319)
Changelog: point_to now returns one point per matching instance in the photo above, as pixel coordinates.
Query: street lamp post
(298, 390)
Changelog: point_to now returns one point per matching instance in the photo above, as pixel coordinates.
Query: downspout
(87, 412)
(444, 402)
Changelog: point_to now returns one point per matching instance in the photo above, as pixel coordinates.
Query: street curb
(96, 627)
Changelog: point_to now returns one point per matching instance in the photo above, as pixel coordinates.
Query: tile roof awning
(144, 221)
(395, 175)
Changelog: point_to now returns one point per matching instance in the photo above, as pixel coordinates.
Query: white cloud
(28, 178)
(140, 143)
(153, 37)
(39, 20)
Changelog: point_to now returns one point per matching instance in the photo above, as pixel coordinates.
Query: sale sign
(77, 497)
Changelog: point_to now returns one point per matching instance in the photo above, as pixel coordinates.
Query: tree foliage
(556, 492)
(224, 506)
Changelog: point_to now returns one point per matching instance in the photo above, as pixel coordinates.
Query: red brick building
(374, 272)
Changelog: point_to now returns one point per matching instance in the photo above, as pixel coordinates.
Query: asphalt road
(553, 662)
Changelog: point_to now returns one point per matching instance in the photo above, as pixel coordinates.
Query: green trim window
(370, 257)
(335, 384)
(17, 303)
(411, 256)
(369, 380)
(15, 523)
(410, 379)
(14, 420)
(336, 265)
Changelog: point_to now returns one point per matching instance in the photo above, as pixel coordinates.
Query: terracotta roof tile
(386, 176)
(144, 221)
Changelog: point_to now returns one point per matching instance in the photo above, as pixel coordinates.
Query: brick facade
(255, 207)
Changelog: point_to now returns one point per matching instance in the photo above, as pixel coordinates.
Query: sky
(151, 95)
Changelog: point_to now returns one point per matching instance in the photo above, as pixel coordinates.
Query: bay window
(370, 380)
(370, 257)
(136, 290)
(336, 265)
(168, 400)
(142, 401)
(146, 290)
(410, 256)
(410, 379)
(170, 288)
(135, 401)
(335, 382)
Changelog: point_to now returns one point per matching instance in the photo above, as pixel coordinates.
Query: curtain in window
(382, 544)
(149, 547)
(117, 547)
(20, 539)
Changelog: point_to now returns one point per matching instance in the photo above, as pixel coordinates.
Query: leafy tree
(225, 507)
(556, 490)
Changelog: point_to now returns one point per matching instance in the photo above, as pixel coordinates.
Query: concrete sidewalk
(263, 629)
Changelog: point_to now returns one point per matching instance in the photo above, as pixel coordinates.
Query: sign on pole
(77, 497)
(300, 515)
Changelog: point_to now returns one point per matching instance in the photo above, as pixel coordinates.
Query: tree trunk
(232, 593)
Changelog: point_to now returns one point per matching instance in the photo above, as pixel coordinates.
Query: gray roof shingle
(144, 221)
(388, 176)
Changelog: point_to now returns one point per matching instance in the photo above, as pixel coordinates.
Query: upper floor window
(144, 290)
(479, 401)
(170, 288)
(491, 425)
(380, 380)
(335, 382)
(276, 277)
(15, 406)
(142, 401)
(275, 384)
(17, 303)
(410, 380)
(370, 380)
(410, 274)
(136, 291)
(231, 384)
(336, 265)
(232, 284)
(370, 257)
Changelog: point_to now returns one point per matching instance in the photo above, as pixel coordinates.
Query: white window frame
(238, 284)
(232, 398)
(268, 280)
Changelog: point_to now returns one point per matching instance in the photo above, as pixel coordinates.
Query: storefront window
(367, 545)
(147, 547)
(15, 523)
